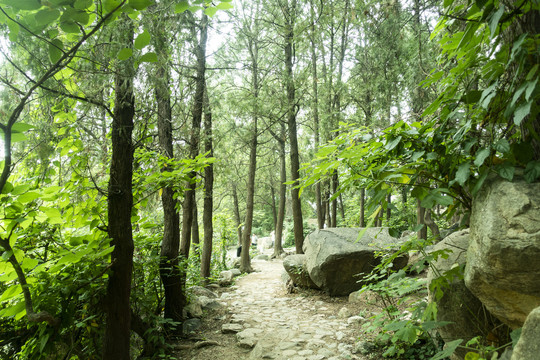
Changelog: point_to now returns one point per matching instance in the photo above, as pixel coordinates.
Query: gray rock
(262, 257)
(247, 338)
(336, 258)
(202, 291)
(285, 277)
(458, 305)
(528, 345)
(502, 262)
(364, 297)
(236, 272)
(295, 265)
(225, 278)
(194, 309)
(231, 328)
(190, 325)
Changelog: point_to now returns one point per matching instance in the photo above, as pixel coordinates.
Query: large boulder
(295, 265)
(336, 259)
(502, 262)
(528, 345)
(467, 316)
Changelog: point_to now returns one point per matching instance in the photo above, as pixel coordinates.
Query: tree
(169, 262)
(208, 191)
(289, 14)
(120, 202)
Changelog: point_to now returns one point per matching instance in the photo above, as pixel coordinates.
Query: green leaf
(392, 144)
(140, 4)
(149, 57)
(480, 182)
(531, 85)
(56, 48)
(28, 197)
(13, 310)
(21, 127)
(70, 27)
(532, 171)
(521, 112)
(502, 146)
(11, 292)
(506, 171)
(23, 4)
(110, 5)
(82, 4)
(494, 21)
(142, 40)
(481, 156)
(47, 16)
(124, 54)
(53, 215)
(472, 356)
(224, 6)
(181, 7)
(449, 349)
(472, 97)
(463, 173)
(211, 11)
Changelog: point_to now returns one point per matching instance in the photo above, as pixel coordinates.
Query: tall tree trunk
(315, 111)
(420, 213)
(362, 207)
(278, 241)
(289, 13)
(208, 191)
(198, 100)
(388, 203)
(195, 235)
(168, 265)
(274, 207)
(334, 202)
(253, 48)
(237, 214)
(120, 202)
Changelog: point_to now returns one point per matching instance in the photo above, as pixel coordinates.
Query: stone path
(270, 324)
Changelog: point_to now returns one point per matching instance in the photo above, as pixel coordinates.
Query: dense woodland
(142, 139)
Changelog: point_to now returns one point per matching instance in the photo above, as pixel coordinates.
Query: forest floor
(275, 324)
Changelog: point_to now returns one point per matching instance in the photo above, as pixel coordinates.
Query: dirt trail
(267, 323)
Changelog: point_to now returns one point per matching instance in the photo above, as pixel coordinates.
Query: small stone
(191, 325)
(289, 353)
(344, 313)
(339, 335)
(355, 319)
(231, 328)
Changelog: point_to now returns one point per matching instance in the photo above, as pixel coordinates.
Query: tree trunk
(278, 241)
(237, 214)
(168, 265)
(208, 191)
(120, 202)
(334, 202)
(198, 100)
(289, 14)
(420, 213)
(195, 235)
(315, 110)
(362, 207)
(252, 42)
(432, 225)
(388, 210)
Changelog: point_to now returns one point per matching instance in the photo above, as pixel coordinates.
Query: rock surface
(467, 316)
(528, 346)
(295, 265)
(502, 266)
(335, 258)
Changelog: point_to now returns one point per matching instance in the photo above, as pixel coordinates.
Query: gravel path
(271, 324)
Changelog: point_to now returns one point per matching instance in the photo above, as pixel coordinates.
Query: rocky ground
(261, 320)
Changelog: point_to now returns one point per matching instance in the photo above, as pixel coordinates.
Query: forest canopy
(143, 139)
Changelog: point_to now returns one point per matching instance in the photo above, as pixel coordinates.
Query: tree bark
(168, 265)
(120, 202)
(208, 191)
(195, 236)
(253, 48)
(237, 214)
(420, 213)
(289, 15)
(362, 207)
(198, 100)
(278, 241)
(315, 111)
